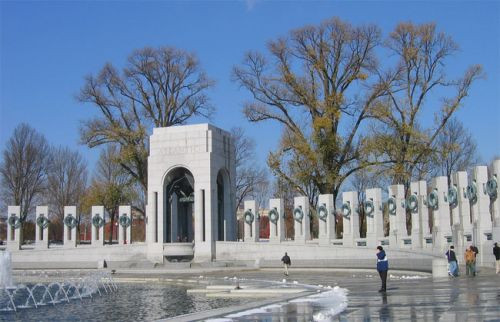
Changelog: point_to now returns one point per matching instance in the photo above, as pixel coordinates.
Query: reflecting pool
(131, 302)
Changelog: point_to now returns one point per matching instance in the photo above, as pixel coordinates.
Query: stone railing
(70, 224)
(466, 212)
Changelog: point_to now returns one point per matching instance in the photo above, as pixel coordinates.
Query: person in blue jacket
(382, 267)
(452, 261)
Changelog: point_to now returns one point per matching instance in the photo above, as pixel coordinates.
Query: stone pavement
(409, 297)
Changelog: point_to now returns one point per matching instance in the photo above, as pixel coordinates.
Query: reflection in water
(472, 298)
(384, 312)
(384, 298)
(321, 306)
(304, 311)
(454, 294)
(132, 302)
(300, 312)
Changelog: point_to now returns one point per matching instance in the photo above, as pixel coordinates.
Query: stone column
(398, 234)
(211, 217)
(124, 233)
(97, 232)
(14, 234)
(350, 218)
(42, 233)
(161, 218)
(277, 230)
(252, 221)
(151, 216)
(198, 216)
(233, 222)
(174, 219)
(191, 224)
(374, 220)
(441, 228)
(229, 215)
(423, 214)
(326, 218)
(301, 225)
(205, 251)
(495, 198)
(418, 193)
(460, 210)
(69, 232)
(480, 201)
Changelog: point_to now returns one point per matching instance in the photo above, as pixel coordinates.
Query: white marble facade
(191, 207)
(465, 212)
(192, 157)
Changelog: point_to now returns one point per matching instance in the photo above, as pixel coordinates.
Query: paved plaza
(410, 296)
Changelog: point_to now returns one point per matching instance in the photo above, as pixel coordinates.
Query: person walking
(496, 252)
(382, 267)
(452, 261)
(286, 263)
(475, 250)
(470, 259)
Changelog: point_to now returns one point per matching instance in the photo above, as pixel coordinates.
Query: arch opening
(223, 204)
(178, 207)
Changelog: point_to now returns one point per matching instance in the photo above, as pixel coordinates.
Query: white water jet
(23, 296)
(5, 270)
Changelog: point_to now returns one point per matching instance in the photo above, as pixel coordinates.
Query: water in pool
(131, 302)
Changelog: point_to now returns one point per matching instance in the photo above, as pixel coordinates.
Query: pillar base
(496, 234)
(458, 240)
(416, 240)
(324, 241)
(42, 245)
(440, 240)
(372, 241)
(439, 268)
(13, 246)
(427, 241)
(155, 253)
(404, 241)
(393, 241)
(69, 244)
(204, 252)
(347, 240)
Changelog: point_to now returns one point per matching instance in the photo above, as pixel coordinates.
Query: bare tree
(456, 150)
(367, 178)
(320, 86)
(111, 186)
(157, 87)
(283, 190)
(23, 169)
(419, 77)
(251, 180)
(262, 193)
(66, 184)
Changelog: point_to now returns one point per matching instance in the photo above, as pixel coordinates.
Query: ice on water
(328, 304)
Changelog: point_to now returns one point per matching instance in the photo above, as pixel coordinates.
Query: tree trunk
(112, 214)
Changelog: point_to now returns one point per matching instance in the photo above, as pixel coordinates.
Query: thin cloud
(251, 4)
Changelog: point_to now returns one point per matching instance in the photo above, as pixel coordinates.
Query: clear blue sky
(48, 47)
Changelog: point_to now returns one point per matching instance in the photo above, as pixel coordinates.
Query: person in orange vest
(475, 250)
(470, 260)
